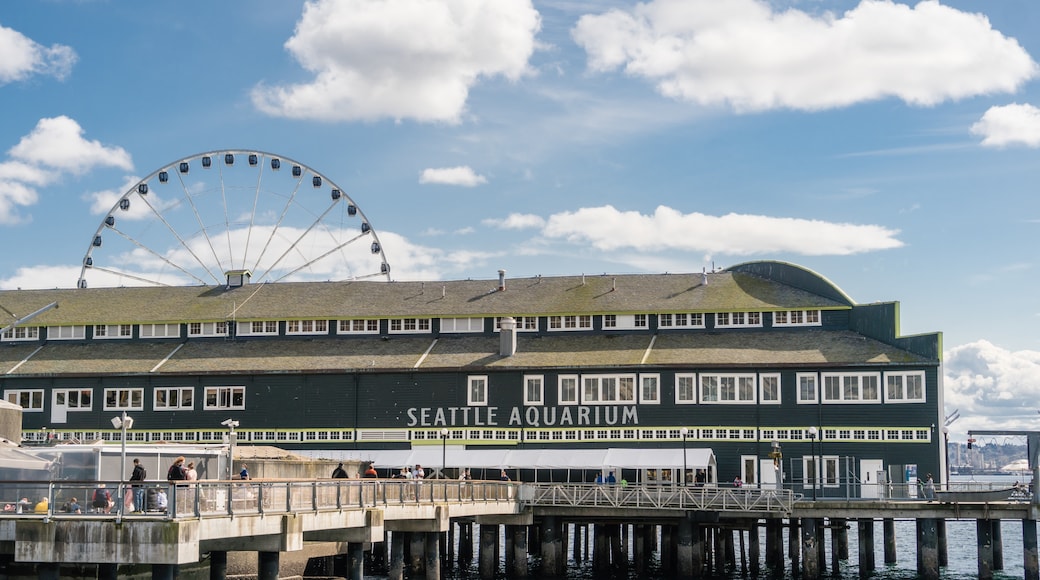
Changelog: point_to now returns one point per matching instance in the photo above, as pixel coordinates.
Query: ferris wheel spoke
(299, 238)
(164, 259)
(227, 219)
(252, 212)
(173, 231)
(124, 274)
(202, 230)
(278, 224)
(323, 256)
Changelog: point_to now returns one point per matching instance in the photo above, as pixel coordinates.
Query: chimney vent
(501, 280)
(507, 336)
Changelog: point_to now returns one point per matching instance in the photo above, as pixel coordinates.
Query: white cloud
(462, 175)
(517, 221)
(1012, 124)
(23, 58)
(58, 143)
(400, 59)
(12, 195)
(608, 229)
(743, 54)
(991, 385)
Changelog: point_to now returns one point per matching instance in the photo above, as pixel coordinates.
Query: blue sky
(892, 147)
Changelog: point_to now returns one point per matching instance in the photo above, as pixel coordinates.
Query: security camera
(229, 423)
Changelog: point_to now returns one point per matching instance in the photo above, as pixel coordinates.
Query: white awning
(455, 456)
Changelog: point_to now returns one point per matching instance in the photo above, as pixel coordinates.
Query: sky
(892, 147)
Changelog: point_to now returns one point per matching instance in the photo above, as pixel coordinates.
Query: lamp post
(685, 433)
(813, 431)
(946, 453)
(122, 422)
(444, 452)
(230, 424)
(777, 456)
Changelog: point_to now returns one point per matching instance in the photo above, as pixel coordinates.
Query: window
(22, 333)
(625, 321)
(523, 323)
(113, 331)
(851, 388)
(769, 388)
(66, 332)
(160, 331)
(811, 471)
(173, 398)
(649, 389)
(208, 328)
(681, 320)
(568, 390)
(807, 388)
(685, 389)
(533, 391)
(727, 388)
(904, 387)
(258, 328)
(462, 325)
(796, 318)
(738, 319)
(359, 326)
(124, 399)
(225, 398)
(27, 399)
(477, 392)
(609, 321)
(583, 322)
(409, 325)
(307, 327)
(608, 389)
(73, 399)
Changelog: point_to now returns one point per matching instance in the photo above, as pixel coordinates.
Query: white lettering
(532, 416)
(514, 417)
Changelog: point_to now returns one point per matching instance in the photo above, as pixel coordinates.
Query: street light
(444, 452)
(685, 433)
(123, 422)
(946, 453)
(230, 424)
(812, 442)
(777, 456)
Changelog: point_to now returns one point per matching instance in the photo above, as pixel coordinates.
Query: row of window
(412, 325)
(714, 388)
(130, 399)
(486, 434)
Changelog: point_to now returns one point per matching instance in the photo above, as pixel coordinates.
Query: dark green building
(760, 358)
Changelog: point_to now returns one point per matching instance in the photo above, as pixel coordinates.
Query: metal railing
(664, 497)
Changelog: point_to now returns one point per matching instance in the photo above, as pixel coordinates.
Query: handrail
(665, 497)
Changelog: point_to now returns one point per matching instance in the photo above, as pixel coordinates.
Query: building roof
(538, 296)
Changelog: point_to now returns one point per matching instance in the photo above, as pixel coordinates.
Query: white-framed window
(608, 389)
(814, 477)
(359, 326)
(523, 323)
(769, 388)
(208, 328)
(738, 319)
(477, 391)
(173, 398)
(685, 389)
(680, 320)
(808, 389)
(74, 399)
(830, 471)
(796, 318)
(66, 332)
(28, 399)
(257, 328)
(851, 388)
(224, 398)
(811, 471)
(727, 388)
(307, 327)
(160, 331)
(124, 399)
(534, 390)
(409, 325)
(567, 390)
(905, 387)
(22, 333)
(571, 322)
(625, 321)
(462, 325)
(650, 389)
(113, 331)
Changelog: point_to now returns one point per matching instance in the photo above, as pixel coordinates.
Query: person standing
(371, 472)
(176, 471)
(244, 474)
(339, 472)
(420, 473)
(139, 475)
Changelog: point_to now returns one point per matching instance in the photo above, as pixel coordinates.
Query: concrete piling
(984, 540)
(1030, 563)
(889, 533)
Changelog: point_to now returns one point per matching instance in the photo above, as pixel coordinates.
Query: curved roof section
(796, 276)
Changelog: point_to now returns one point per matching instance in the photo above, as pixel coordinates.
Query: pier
(414, 527)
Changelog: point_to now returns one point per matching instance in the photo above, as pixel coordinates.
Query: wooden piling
(810, 552)
(927, 549)
(984, 540)
(889, 533)
(1030, 562)
(600, 551)
(865, 536)
(794, 545)
(640, 555)
(998, 546)
(754, 550)
(684, 547)
(940, 529)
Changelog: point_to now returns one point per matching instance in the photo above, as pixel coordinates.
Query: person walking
(140, 474)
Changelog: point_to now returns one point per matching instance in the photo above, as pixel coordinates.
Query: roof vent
(501, 280)
(704, 277)
(507, 336)
(237, 278)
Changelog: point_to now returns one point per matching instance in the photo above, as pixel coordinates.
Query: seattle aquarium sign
(591, 415)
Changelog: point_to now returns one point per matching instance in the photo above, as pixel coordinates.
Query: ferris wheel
(201, 218)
